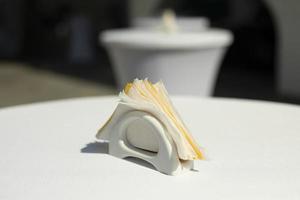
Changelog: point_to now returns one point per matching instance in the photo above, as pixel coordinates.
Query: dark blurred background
(49, 49)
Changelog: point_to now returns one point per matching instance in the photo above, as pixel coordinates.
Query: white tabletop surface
(253, 149)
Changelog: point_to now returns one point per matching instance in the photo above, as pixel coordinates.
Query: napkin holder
(116, 131)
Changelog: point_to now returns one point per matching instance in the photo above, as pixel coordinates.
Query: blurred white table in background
(48, 151)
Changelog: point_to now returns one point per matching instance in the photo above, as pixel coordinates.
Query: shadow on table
(95, 147)
(102, 148)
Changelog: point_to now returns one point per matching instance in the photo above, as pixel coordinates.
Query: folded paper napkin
(153, 98)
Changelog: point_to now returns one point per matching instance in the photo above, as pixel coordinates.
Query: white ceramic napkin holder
(116, 131)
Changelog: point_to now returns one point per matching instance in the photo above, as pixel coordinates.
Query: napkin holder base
(165, 160)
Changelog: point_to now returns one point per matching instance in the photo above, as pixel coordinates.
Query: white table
(253, 149)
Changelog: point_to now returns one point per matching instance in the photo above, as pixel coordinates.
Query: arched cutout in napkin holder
(165, 160)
